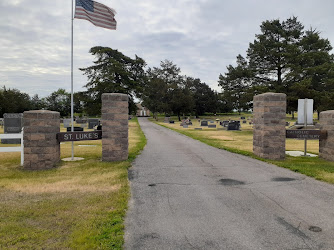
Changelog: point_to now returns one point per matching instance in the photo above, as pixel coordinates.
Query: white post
(72, 120)
(22, 148)
(305, 124)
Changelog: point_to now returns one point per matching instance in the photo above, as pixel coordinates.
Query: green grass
(78, 205)
(241, 142)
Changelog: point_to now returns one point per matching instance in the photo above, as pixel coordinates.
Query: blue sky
(202, 37)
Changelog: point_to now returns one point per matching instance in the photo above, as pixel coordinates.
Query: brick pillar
(269, 111)
(114, 127)
(326, 146)
(41, 148)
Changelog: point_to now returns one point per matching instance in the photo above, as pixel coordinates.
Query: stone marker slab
(12, 125)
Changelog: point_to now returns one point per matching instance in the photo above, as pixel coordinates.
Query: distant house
(142, 111)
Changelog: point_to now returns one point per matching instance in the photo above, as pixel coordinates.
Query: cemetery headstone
(233, 125)
(12, 125)
(212, 126)
(198, 128)
(185, 126)
(166, 120)
(244, 121)
(212, 122)
(225, 123)
(287, 123)
(242, 118)
(204, 123)
(92, 123)
(74, 129)
(67, 123)
(172, 122)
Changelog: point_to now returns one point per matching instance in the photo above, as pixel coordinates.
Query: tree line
(283, 58)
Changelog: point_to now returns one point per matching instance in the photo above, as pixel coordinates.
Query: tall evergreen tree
(236, 85)
(112, 72)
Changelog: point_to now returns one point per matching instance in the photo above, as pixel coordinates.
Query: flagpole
(72, 120)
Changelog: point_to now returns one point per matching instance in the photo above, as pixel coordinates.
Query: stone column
(41, 148)
(269, 125)
(326, 145)
(115, 127)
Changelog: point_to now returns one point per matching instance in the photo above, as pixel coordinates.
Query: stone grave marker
(166, 120)
(204, 123)
(212, 126)
(67, 123)
(198, 128)
(172, 122)
(224, 123)
(244, 121)
(233, 125)
(242, 118)
(92, 123)
(12, 125)
(185, 126)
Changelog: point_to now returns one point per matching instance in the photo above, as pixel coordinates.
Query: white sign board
(309, 111)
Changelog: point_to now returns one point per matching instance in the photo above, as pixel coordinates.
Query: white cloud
(202, 37)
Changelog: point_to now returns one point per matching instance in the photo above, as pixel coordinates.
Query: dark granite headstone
(244, 121)
(224, 123)
(212, 126)
(92, 123)
(204, 123)
(172, 122)
(242, 118)
(233, 125)
(75, 129)
(12, 125)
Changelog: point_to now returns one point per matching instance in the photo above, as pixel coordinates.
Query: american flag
(98, 14)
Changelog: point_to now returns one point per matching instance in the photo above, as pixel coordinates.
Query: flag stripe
(101, 16)
(81, 13)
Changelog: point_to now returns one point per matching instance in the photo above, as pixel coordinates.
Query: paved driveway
(188, 195)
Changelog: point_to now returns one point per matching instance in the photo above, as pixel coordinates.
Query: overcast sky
(202, 37)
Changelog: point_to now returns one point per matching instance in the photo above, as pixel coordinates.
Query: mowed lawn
(242, 142)
(78, 205)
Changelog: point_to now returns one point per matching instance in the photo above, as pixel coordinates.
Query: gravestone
(185, 126)
(242, 118)
(12, 125)
(92, 123)
(172, 122)
(1, 122)
(224, 123)
(212, 126)
(204, 123)
(166, 120)
(67, 123)
(233, 125)
(287, 123)
(198, 128)
(212, 122)
(244, 121)
(74, 129)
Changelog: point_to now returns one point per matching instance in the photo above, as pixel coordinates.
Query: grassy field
(78, 205)
(242, 142)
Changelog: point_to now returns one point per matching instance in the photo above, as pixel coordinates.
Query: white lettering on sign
(79, 136)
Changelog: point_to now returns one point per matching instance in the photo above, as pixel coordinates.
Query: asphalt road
(188, 195)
